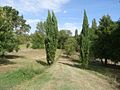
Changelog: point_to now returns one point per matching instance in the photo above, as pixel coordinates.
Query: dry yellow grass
(22, 58)
(64, 75)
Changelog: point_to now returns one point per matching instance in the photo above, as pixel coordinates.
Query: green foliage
(115, 43)
(10, 24)
(10, 79)
(102, 44)
(40, 28)
(63, 35)
(70, 46)
(84, 42)
(105, 44)
(38, 38)
(77, 40)
(93, 37)
(7, 37)
(23, 38)
(51, 37)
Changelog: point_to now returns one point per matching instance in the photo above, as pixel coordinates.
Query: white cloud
(35, 5)
(30, 21)
(71, 26)
(64, 11)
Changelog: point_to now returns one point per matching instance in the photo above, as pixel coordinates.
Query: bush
(70, 46)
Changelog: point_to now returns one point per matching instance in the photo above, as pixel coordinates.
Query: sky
(69, 13)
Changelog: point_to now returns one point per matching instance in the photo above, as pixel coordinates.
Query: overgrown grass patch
(10, 79)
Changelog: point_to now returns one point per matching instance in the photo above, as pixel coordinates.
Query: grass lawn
(28, 70)
(22, 66)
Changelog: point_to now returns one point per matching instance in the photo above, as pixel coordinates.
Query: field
(28, 70)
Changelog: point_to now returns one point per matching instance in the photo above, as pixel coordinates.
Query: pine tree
(51, 29)
(84, 42)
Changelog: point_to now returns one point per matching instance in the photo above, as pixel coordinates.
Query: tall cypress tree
(55, 33)
(76, 34)
(77, 40)
(51, 37)
(48, 39)
(84, 42)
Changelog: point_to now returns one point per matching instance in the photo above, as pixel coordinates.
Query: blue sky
(69, 12)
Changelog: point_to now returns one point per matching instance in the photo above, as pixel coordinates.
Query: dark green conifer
(84, 42)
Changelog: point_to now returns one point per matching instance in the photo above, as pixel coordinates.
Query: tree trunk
(115, 63)
(101, 61)
(105, 61)
(48, 62)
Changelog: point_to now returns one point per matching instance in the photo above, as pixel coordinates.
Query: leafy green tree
(38, 38)
(51, 37)
(23, 38)
(70, 46)
(103, 42)
(63, 35)
(10, 24)
(115, 43)
(84, 42)
(40, 27)
(7, 39)
(18, 23)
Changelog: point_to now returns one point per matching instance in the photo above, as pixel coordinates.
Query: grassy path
(64, 75)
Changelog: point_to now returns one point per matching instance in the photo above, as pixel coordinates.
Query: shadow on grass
(42, 63)
(110, 70)
(72, 65)
(71, 59)
(5, 62)
(13, 56)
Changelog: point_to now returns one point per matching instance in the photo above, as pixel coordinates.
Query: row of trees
(102, 41)
(13, 32)
(46, 36)
(12, 26)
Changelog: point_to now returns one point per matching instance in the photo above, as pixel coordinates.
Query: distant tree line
(98, 41)
(102, 41)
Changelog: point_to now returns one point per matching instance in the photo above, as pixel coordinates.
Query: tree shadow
(112, 71)
(42, 62)
(13, 56)
(5, 62)
(71, 65)
(76, 61)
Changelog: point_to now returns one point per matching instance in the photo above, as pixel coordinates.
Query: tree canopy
(11, 24)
